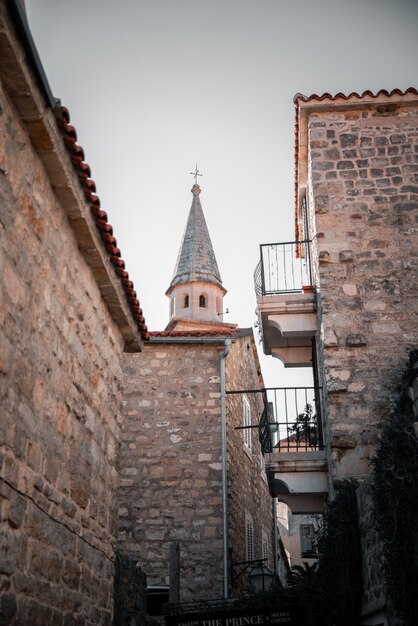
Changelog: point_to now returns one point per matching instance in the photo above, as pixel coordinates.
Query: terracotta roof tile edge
(105, 230)
(192, 333)
(327, 96)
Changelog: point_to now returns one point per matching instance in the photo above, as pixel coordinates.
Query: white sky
(154, 86)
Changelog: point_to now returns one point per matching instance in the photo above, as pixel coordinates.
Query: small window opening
(186, 302)
(307, 540)
(202, 301)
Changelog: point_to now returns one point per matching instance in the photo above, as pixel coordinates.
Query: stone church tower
(191, 476)
(196, 291)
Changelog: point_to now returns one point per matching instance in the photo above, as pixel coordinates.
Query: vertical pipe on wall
(275, 538)
(225, 353)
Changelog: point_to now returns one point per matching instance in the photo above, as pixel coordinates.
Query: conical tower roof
(196, 260)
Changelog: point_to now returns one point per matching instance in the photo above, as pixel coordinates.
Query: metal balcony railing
(284, 268)
(295, 417)
(291, 420)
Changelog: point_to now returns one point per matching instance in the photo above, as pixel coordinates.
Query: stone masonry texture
(363, 200)
(248, 491)
(171, 466)
(60, 377)
(170, 487)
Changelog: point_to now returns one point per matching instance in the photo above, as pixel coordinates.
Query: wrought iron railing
(284, 268)
(291, 420)
(296, 418)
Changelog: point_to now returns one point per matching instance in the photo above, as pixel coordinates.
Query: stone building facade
(65, 322)
(362, 198)
(356, 214)
(187, 475)
(171, 461)
(248, 493)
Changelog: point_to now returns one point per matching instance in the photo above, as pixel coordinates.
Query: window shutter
(307, 539)
(247, 422)
(249, 531)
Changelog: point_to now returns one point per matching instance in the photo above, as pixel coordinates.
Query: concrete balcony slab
(299, 479)
(288, 323)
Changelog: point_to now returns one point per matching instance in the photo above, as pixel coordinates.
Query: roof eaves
(38, 120)
(192, 333)
(104, 229)
(354, 95)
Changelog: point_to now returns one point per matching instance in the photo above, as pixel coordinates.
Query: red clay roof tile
(194, 333)
(105, 230)
(354, 95)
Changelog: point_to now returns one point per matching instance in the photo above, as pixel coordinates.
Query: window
(249, 537)
(246, 410)
(202, 301)
(186, 302)
(307, 540)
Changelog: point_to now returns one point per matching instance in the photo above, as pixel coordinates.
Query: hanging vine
(395, 496)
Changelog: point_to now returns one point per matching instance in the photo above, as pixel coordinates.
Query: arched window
(186, 301)
(202, 301)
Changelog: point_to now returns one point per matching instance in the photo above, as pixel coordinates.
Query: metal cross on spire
(196, 173)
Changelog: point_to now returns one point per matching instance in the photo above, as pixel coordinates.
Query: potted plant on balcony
(308, 288)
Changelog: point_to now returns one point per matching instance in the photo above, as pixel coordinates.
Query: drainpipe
(227, 343)
(275, 538)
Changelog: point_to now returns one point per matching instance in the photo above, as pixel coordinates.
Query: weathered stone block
(17, 508)
(343, 440)
(336, 386)
(9, 551)
(330, 338)
(348, 139)
(71, 574)
(356, 340)
(346, 256)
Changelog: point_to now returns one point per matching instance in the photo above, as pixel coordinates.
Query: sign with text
(240, 617)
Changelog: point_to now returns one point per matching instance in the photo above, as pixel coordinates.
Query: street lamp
(260, 577)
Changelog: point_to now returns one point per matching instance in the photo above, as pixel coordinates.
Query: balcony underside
(299, 479)
(288, 323)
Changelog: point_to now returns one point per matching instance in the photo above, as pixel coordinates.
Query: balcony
(286, 302)
(291, 438)
(296, 468)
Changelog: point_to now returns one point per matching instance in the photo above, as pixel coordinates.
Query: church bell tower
(196, 291)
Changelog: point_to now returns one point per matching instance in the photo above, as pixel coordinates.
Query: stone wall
(248, 492)
(60, 376)
(171, 464)
(363, 194)
(171, 469)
